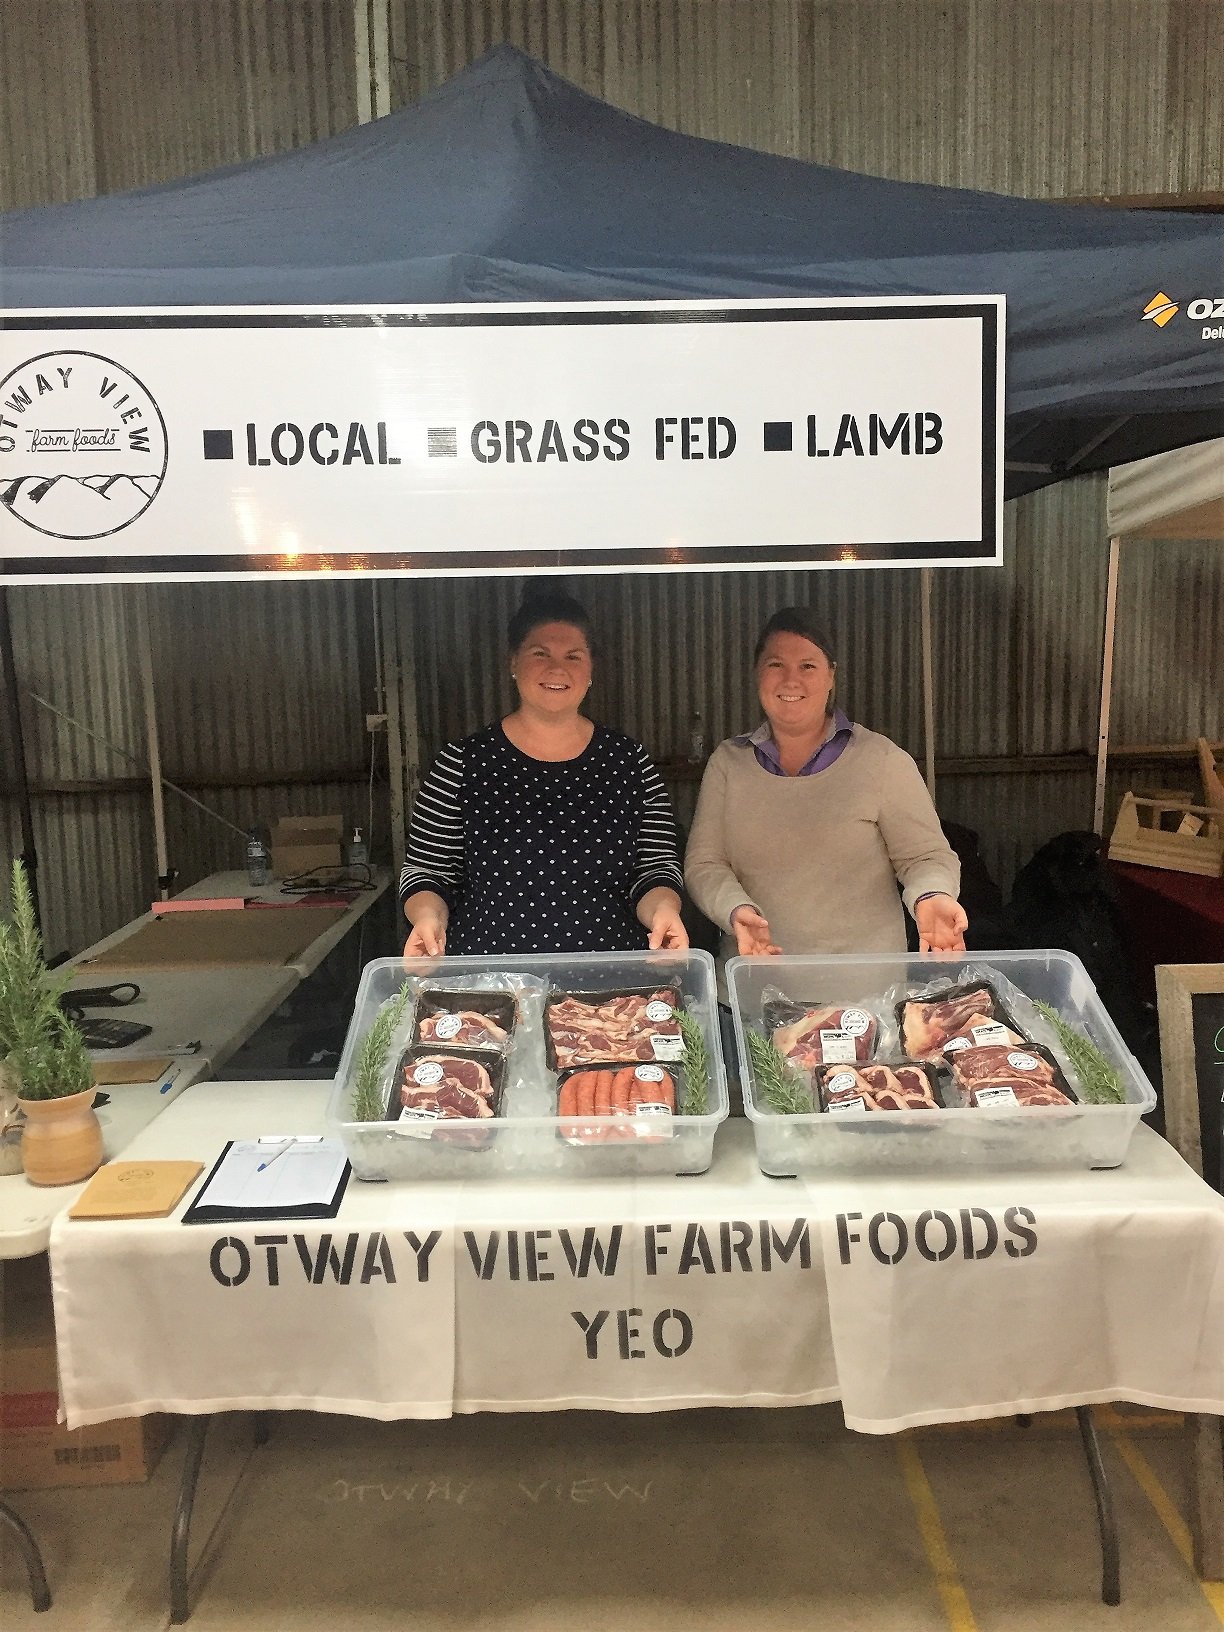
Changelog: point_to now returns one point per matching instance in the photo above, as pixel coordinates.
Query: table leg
(1111, 1571)
(180, 1534)
(1208, 1497)
(40, 1594)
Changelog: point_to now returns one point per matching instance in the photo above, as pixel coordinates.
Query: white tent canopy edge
(1170, 495)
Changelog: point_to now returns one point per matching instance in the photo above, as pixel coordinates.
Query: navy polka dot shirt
(535, 855)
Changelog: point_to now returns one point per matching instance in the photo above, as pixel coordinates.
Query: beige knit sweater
(819, 855)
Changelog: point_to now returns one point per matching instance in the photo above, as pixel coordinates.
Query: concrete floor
(723, 1521)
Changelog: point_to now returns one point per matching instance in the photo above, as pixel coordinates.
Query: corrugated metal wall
(255, 683)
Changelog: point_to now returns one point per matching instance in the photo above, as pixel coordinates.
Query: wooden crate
(1213, 781)
(1139, 836)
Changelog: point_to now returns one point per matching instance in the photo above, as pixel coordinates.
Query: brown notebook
(135, 1190)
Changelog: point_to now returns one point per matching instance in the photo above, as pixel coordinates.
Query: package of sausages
(901, 1085)
(464, 1018)
(624, 1100)
(604, 1028)
(446, 1093)
(811, 1034)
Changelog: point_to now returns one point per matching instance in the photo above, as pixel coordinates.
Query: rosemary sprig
(368, 1096)
(696, 1099)
(777, 1081)
(1100, 1084)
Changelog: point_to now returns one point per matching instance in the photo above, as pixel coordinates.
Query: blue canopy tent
(508, 183)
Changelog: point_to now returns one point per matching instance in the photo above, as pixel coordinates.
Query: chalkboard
(1207, 1011)
(1190, 1000)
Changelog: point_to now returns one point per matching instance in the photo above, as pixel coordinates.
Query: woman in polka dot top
(544, 832)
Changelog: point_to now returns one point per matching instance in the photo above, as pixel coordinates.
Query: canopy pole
(12, 699)
(164, 875)
(361, 61)
(1107, 657)
(928, 680)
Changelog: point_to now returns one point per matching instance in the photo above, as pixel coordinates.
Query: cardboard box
(36, 1452)
(301, 843)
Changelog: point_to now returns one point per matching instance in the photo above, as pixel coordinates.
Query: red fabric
(1170, 917)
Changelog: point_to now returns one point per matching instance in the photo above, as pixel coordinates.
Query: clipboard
(202, 1211)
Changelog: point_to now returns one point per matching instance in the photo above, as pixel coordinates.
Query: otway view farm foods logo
(82, 445)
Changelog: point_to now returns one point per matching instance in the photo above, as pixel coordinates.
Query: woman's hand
(659, 911)
(751, 931)
(942, 923)
(429, 915)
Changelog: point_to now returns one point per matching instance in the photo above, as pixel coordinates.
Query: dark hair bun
(548, 606)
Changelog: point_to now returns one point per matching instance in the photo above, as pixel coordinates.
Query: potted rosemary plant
(44, 1059)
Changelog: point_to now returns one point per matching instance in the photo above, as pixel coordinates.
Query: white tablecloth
(649, 1294)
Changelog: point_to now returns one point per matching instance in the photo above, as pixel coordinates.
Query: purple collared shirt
(768, 758)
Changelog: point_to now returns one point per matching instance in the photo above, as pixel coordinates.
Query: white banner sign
(971, 1308)
(642, 1315)
(230, 1317)
(500, 439)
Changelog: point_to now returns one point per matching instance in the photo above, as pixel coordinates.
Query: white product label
(836, 1046)
(418, 1122)
(994, 1096)
(428, 1074)
(842, 1082)
(447, 1026)
(648, 1073)
(838, 1106)
(667, 1048)
(957, 1043)
(652, 1108)
(659, 1010)
(856, 1021)
(995, 1032)
(1023, 1062)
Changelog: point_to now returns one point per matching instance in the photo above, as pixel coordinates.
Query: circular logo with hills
(83, 445)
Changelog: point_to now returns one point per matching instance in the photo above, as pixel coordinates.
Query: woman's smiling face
(794, 682)
(552, 669)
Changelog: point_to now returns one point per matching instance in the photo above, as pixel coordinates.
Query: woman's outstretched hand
(667, 932)
(942, 923)
(751, 931)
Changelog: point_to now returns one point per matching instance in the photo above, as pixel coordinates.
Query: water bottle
(696, 752)
(259, 862)
(359, 854)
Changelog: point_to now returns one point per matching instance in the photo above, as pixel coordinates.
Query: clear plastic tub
(525, 1139)
(1080, 1136)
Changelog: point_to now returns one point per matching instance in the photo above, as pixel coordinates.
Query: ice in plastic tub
(960, 1137)
(525, 1138)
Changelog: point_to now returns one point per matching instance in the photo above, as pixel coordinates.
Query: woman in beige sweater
(805, 827)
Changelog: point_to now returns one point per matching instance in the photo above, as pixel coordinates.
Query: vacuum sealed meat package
(468, 1018)
(609, 1028)
(905, 1085)
(434, 1085)
(808, 1035)
(588, 1097)
(1000, 1076)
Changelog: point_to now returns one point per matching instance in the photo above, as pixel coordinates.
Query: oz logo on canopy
(82, 445)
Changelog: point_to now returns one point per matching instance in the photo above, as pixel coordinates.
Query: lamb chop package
(901, 1085)
(436, 1084)
(980, 1009)
(465, 1017)
(613, 1027)
(1002, 1078)
(811, 1034)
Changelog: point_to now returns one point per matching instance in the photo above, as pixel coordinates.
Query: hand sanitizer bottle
(359, 854)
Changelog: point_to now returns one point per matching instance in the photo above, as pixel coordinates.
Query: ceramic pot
(62, 1139)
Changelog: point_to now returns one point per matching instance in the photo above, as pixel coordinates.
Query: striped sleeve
(658, 862)
(435, 859)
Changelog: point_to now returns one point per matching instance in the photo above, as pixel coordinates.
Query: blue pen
(170, 1080)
